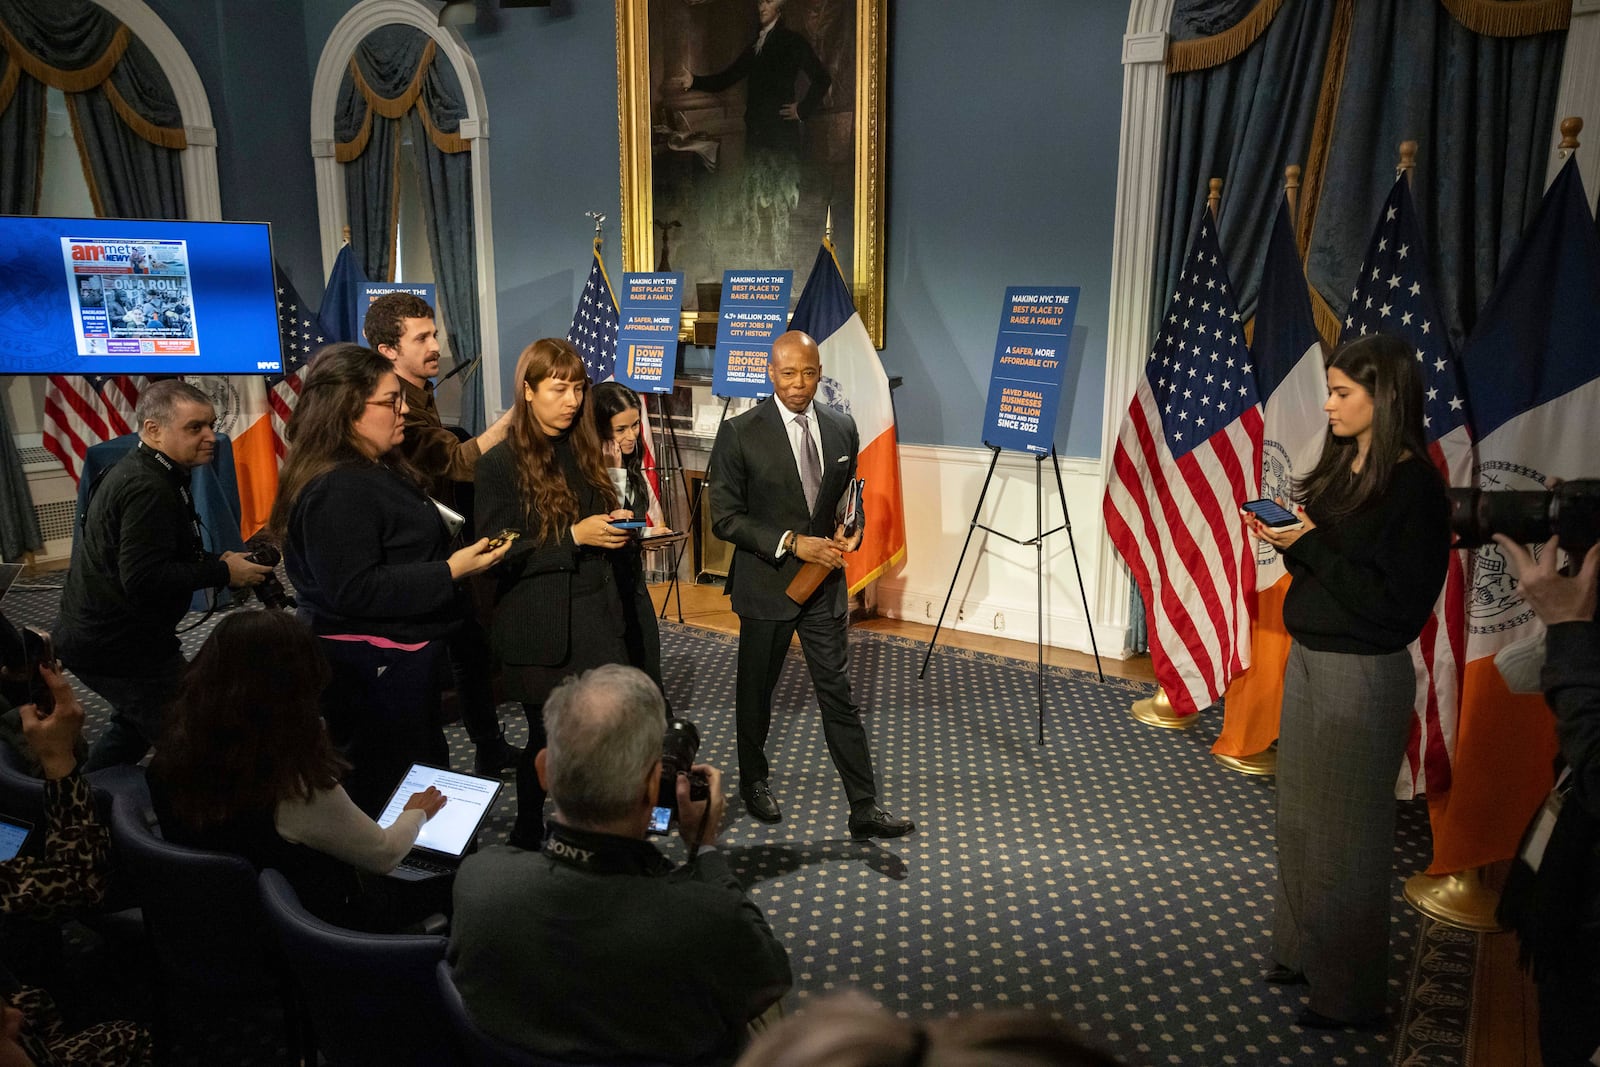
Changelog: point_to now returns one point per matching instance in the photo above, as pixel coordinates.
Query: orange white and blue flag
(853, 381)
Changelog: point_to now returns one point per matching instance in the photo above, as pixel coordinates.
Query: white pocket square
(842, 459)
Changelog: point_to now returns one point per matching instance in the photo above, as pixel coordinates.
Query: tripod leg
(1066, 521)
(1038, 577)
(971, 526)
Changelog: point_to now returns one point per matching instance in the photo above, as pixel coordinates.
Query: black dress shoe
(495, 756)
(1281, 975)
(1315, 1020)
(879, 823)
(758, 802)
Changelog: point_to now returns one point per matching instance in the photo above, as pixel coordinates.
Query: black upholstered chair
(371, 998)
(479, 1048)
(209, 945)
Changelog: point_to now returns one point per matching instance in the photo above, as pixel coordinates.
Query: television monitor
(137, 296)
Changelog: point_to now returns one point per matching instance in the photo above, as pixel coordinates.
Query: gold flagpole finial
(1214, 196)
(827, 227)
(346, 233)
(1408, 159)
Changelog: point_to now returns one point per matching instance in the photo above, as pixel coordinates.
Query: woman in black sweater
(557, 607)
(1367, 566)
(369, 557)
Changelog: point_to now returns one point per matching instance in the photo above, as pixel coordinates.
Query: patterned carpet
(1115, 876)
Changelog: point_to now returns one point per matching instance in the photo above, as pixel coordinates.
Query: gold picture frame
(692, 130)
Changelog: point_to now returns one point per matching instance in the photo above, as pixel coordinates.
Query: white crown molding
(201, 191)
(359, 21)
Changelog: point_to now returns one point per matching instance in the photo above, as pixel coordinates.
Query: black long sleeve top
(1367, 582)
(366, 551)
(137, 561)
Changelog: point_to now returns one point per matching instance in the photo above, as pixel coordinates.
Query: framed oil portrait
(744, 124)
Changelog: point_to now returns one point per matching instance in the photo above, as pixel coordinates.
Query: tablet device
(13, 835)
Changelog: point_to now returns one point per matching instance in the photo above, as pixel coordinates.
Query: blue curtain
(388, 61)
(1243, 122)
(1481, 110)
(131, 156)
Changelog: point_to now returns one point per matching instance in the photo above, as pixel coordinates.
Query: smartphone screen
(660, 820)
(1272, 513)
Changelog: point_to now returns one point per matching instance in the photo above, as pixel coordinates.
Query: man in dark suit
(778, 476)
(769, 66)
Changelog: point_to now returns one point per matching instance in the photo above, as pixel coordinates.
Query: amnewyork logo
(102, 253)
(1496, 604)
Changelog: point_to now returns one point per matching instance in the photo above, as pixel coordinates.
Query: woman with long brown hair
(245, 766)
(369, 557)
(557, 609)
(1368, 560)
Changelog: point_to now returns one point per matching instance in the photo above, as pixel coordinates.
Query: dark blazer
(756, 496)
(533, 584)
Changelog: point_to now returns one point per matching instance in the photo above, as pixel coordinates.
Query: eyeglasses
(397, 405)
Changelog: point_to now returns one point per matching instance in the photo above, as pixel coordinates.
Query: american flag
(594, 326)
(83, 410)
(1390, 296)
(301, 336)
(1188, 455)
(594, 334)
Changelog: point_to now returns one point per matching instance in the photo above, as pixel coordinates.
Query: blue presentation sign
(372, 290)
(755, 309)
(1030, 360)
(647, 336)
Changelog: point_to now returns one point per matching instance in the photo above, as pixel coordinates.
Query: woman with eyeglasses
(557, 607)
(368, 553)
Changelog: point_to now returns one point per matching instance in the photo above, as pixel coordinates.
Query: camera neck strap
(602, 853)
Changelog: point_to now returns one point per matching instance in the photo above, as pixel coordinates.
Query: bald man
(778, 478)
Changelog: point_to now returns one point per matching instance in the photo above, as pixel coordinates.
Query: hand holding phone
(1273, 514)
(503, 537)
(39, 652)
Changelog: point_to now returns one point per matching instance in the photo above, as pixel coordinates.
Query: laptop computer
(445, 838)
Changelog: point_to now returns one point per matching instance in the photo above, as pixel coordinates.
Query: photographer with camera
(597, 948)
(136, 561)
(1557, 916)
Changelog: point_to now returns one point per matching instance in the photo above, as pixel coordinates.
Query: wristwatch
(790, 539)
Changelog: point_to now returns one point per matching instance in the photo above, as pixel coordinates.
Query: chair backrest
(202, 911)
(479, 1048)
(372, 998)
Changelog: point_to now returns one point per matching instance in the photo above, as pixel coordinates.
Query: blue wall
(251, 58)
(973, 207)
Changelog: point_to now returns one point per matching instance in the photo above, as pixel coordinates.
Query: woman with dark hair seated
(245, 766)
(369, 556)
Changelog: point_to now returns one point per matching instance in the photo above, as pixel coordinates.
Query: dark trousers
(763, 644)
(473, 668)
(138, 703)
(382, 710)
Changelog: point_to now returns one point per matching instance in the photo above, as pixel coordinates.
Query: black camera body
(680, 743)
(270, 592)
(1570, 511)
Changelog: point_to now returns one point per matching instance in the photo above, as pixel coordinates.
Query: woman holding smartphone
(1368, 561)
(369, 556)
(558, 610)
(617, 421)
